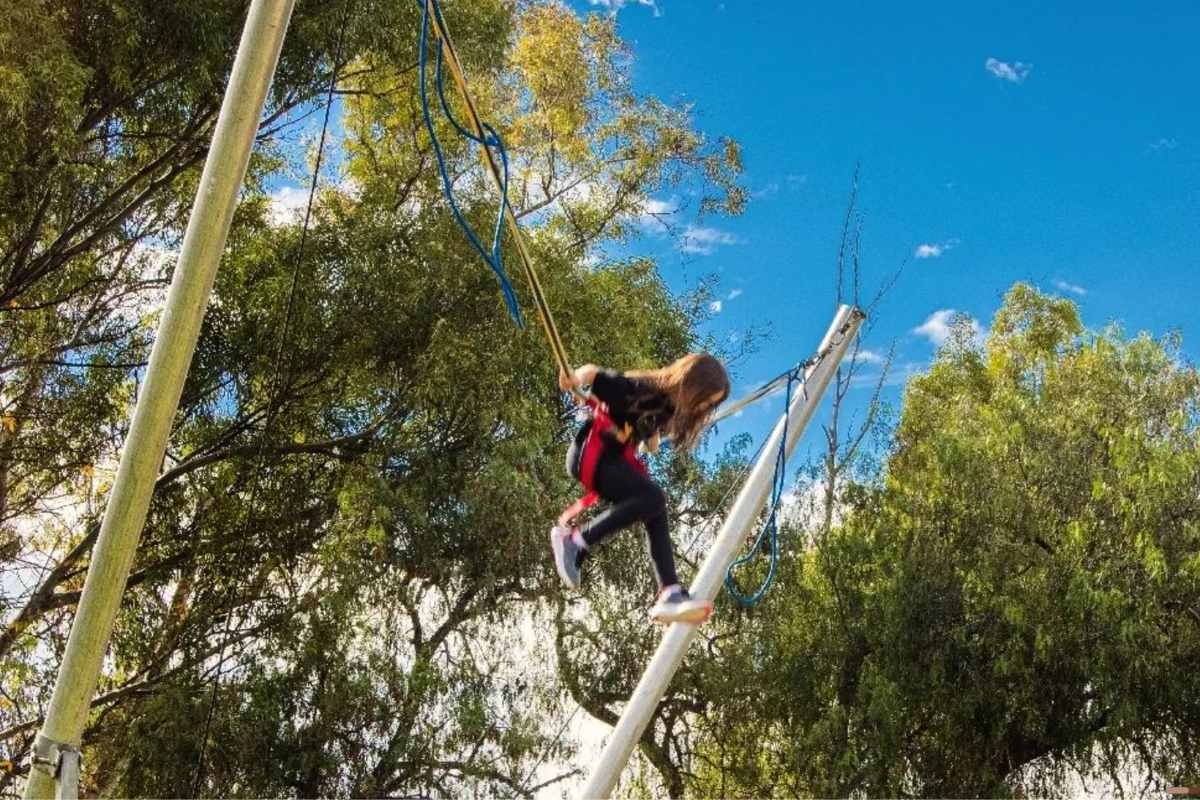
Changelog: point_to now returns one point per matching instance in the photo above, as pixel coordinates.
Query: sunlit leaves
(1015, 603)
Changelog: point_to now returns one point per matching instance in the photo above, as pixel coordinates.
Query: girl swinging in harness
(675, 401)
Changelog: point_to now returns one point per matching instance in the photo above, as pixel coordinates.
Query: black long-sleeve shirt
(633, 403)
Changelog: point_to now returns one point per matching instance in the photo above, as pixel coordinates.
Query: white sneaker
(567, 555)
(674, 604)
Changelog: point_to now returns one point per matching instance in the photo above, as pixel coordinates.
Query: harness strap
(593, 449)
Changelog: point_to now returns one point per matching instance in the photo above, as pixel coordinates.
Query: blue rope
(494, 258)
(770, 531)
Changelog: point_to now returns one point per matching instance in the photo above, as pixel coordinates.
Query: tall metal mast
(56, 750)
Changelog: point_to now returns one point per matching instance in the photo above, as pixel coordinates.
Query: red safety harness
(593, 448)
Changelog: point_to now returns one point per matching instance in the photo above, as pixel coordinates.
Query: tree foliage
(1010, 606)
(348, 534)
(343, 587)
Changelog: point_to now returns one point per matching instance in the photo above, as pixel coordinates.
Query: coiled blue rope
(770, 530)
(494, 257)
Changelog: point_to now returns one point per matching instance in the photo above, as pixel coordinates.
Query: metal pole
(730, 539)
(174, 344)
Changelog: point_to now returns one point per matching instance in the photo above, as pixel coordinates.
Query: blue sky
(997, 143)
(1002, 142)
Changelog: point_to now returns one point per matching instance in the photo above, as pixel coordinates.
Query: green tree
(1012, 602)
(108, 111)
(349, 530)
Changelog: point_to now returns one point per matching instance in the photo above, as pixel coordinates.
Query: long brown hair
(690, 383)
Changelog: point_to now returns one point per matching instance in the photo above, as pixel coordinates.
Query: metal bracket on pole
(60, 761)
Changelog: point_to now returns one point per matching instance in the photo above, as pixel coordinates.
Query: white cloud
(797, 180)
(934, 249)
(735, 294)
(1073, 288)
(871, 357)
(656, 215)
(584, 191)
(661, 217)
(1016, 72)
(771, 188)
(351, 187)
(937, 327)
(715, 306)
(613, 6)
(1164, 144)
(286, 204)
(804, 505)
(659, 207)
(703, 241)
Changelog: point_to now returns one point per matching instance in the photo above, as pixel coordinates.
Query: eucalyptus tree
(1008, 607)
(347, 539)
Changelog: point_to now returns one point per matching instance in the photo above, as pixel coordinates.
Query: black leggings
(633, 497)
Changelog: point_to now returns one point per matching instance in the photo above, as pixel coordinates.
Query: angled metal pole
(729, 541)
(56, 749)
